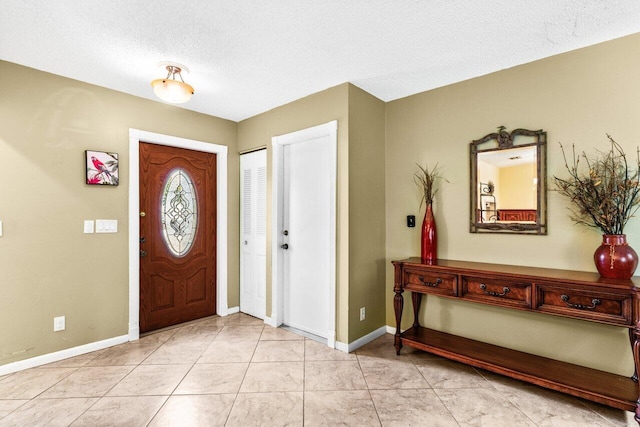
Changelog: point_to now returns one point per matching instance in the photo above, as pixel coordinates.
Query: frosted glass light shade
(173, 91)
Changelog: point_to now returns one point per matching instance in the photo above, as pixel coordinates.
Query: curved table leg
(398, 304)
(416, 298)
(634, 334)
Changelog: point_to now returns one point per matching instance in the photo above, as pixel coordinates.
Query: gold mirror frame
(483, 221)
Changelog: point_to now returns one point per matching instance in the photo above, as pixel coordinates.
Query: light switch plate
(88, 226)
(106, 225)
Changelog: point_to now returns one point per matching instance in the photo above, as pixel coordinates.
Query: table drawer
(584, 304)
(430, 282)
(504, 292)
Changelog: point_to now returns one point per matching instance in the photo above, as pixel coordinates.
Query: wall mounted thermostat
(411, 220)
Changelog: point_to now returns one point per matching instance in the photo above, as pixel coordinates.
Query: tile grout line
(304, 375)
(156, 346)
(135, 367)
(444, 405)
(171, 394)
(235, 399)
(375, 408)
(504, 396)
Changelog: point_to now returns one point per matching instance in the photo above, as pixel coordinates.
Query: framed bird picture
(102, 168)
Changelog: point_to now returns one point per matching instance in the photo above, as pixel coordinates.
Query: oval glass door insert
(179, 212)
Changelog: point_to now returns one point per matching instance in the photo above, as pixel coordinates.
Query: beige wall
(576, 97)
(366, 213)
(319, 108)
(517, 189)
(48, 267)
(361, 218)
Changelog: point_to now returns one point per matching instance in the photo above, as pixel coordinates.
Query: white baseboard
(60, 355)
(231, 310)
(99, 345)
(331, 339)
(271, 321)
(134, 332)
(352, 346)
(342, 347)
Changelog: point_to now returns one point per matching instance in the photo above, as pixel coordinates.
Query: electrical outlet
(58, 323)
(362, 313)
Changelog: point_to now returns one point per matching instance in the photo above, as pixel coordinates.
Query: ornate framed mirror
(508, 179)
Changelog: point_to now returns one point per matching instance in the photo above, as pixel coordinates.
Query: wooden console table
(579, 295)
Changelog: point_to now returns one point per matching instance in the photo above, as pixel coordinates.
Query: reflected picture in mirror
(508, 183)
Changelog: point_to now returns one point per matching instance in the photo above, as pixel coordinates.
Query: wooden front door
(177, 235)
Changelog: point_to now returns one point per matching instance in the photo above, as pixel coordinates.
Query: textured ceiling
(249, 56)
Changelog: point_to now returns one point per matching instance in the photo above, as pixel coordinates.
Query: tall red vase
(614, 258)
(429, 239)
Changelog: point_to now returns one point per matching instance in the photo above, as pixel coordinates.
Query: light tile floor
(235, 371)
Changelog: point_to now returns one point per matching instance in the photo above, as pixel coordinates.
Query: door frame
(330, 130)
(135, 137)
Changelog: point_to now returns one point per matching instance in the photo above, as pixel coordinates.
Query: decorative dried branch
(608, 195)
(427, 180)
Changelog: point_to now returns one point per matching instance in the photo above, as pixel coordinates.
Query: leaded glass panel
(179, 212)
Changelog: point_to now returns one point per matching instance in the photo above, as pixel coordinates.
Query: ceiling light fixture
(171, 90)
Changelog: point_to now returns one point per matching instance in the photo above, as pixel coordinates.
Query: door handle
(284, 246)
(143, 253)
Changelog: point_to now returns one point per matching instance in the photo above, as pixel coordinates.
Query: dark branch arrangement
(427, 180)
(607, 195)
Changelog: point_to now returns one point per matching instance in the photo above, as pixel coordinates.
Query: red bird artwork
(102, 168)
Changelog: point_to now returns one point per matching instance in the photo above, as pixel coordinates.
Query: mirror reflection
(508, 183)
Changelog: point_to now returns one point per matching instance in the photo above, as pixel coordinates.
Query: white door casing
(253, 233)
(304, 204)
(135, 136)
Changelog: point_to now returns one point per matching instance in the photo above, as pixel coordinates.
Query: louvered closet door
(253, 233)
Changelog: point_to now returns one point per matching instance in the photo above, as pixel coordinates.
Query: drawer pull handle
(430, 284)
(594, 303)
(504, 292)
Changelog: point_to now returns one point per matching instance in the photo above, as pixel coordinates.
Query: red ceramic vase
(429, 240)
(615, 258)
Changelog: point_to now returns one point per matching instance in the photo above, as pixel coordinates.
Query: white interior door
(253, 233)
(305, 231)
